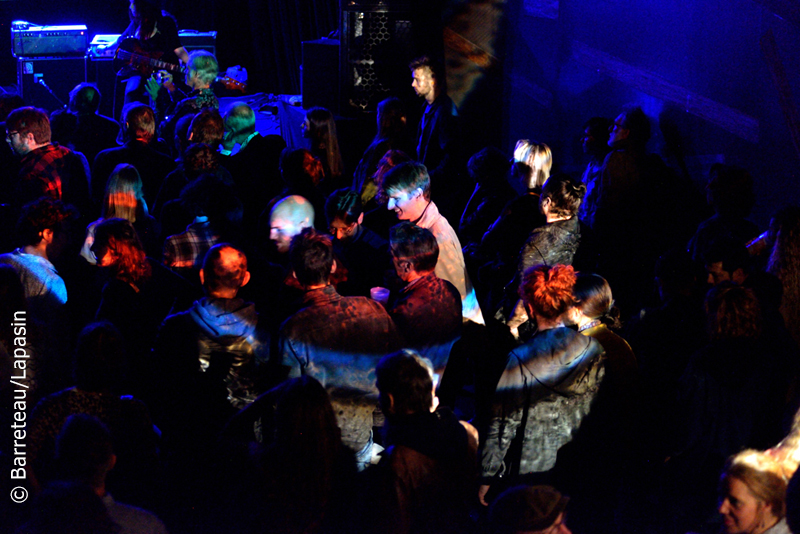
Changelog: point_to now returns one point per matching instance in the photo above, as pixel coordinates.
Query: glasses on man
(9, 135)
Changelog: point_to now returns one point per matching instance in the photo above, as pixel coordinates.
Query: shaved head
(288, 218)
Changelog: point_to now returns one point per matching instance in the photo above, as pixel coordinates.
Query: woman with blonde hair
(752, 495)
(124, 199)
(532, 164)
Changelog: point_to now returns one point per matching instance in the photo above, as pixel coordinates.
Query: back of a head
(526, 509)
(43, 214)
(199, 158)
(408, 176)
(408, 378)
(30, 120)
(565, 194)
(205, 64)
(84, 99)
(417, 245)
(100, 358)
(240, 119)
(140, 122)
(323, 126)
(128, 261)
(181, 138)
(763, 476)
(124, 196)
(300, 169)
(732, 311)
(84, 450)
(304, 413)
(63, 125)
(391, 118)
(638, 125)
(730, 190)
(488, 166)
(344, 204)
(592, 295)
(8, 103)
(207, 127)
(224, 268)
(311, 257)
(548, 290)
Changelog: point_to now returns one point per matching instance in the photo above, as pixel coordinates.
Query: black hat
(527, 508)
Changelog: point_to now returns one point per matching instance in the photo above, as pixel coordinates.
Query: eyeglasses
(9, 135)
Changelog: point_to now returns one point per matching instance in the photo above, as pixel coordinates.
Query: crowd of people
(241, 336)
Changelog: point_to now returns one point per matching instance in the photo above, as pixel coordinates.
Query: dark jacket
(549, 385)
(153, 167)
(337, 340)
(424, 480)
(427, 313)
(551, 244)
(216, 340)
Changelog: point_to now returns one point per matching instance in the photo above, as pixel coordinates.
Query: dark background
(539, 68)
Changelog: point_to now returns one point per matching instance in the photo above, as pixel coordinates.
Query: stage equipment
(46, 82)
(29, 40)
(196, 40)
(320, 74)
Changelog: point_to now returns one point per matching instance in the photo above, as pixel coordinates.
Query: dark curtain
(269, 37)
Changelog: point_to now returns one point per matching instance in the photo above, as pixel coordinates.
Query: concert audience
(153, 166)
(648, 454)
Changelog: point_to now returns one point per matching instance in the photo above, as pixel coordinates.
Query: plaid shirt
(53, 171)
(189, 248)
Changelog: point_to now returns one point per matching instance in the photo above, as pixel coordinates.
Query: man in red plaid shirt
(47, 169)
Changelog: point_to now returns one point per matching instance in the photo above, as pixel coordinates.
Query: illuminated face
(423, 82)
(341, 230)
(305, 126)
(18, 142)
(618, 132)
(408, 205)
(104, 254)
(282, 230)
(741, 512)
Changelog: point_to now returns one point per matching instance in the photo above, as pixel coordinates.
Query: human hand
(482, 491)
(151, 86)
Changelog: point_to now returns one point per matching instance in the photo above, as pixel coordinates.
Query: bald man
(287, 219)
(209, 353)
(255, 168)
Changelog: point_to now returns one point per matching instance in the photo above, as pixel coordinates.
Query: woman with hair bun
(547, 388)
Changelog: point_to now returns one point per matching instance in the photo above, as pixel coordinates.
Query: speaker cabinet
(320, 77)
(60, 75)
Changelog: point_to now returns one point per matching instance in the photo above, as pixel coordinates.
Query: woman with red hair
(548, 386)
(140, 292)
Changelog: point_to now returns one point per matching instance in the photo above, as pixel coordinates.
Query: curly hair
(300, 169)
(199, 158)
(732, 311)
(548, 290)
(128, 261)
(43, 214)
